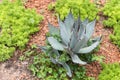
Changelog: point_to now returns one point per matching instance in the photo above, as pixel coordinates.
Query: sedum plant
(110, 72)
(112, 11)
(16, 25)
(85, 6)
(73, 38)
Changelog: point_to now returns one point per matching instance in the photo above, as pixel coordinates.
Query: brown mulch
(18, 70)
(41, 7)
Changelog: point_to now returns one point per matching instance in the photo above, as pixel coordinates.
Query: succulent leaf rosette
(74, 37)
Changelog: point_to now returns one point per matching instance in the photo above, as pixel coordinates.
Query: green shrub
(16, 24)
(85, 8)
(112, 11)
(44, 69)
(110, 72)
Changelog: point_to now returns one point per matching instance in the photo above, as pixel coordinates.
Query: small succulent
(74, 37)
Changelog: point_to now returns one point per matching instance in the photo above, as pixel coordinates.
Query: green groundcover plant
(16, 24)
(84, 7)
(42, 67)
(44, 70)
(110, 72)
(112, 11)
(115, 37)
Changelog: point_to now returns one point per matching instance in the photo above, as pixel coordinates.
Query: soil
(14, 69)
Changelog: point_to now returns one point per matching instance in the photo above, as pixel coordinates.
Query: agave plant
(74, 35)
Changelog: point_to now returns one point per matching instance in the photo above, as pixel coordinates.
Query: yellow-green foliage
(112, 11)
(16, 24)
(110, 72)
(84, 7)
(115, 37)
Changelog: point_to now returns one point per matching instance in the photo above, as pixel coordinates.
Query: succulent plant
(74, 35)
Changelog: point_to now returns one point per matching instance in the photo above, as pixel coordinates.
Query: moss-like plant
(115, 37)
(16, 24)
(110, 72)
(112, 11)
(84, 7)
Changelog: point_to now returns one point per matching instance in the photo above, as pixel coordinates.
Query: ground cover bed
(23, 34)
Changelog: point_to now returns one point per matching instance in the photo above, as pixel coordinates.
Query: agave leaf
(64, 33)
(54, 52)
(81, 43)
(82, 31)
(85, 22)
(73, 40)
(76, 59)
(90, 29)
(52, 59)
(69, 21)
(77, 24)
(53, 30)
(96, 39)
(55, 44)
(56, 61)
(90, 48)
(43, 48)
(69, 73)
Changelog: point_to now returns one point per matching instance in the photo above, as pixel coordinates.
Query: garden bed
(14, 69)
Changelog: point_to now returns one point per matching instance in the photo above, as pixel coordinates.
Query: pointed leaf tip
(69, 73)
(53, 30)
(90, 29)
(55, 44)
(76, 59)
(91, 47)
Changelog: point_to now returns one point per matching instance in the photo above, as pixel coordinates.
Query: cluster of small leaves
(110, 72)
(112, 11)
(16, 24)
(26, 55)
(42, 68)
(115, 37)
(84, 7)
